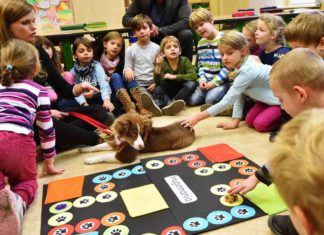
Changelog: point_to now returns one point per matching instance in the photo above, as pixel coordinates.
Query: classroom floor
(252, 144)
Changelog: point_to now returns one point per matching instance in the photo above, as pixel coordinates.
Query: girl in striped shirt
(22, 101)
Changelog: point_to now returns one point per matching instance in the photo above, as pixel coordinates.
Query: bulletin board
(50, 14)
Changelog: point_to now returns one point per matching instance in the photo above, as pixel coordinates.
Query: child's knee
(261, 126)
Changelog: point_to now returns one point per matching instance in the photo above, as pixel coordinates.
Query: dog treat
(231, 198)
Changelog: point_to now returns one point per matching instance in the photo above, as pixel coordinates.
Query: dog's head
(133, 129)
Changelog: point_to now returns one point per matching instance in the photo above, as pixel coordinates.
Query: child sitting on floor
(248, 31)
(89, 70)
(250, 78)
(270, 36)
(113, 62)
(53, 54)
(140, 60)
(212, 77)
(22, 101)
(175, 78)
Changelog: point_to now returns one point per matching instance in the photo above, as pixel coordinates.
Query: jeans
(117, 82)
(212, 96)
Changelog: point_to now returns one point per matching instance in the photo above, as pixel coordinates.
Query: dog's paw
(90, 161)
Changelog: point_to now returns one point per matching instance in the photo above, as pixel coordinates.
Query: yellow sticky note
(143, 200)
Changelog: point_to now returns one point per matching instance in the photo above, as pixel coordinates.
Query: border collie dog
(134, 133)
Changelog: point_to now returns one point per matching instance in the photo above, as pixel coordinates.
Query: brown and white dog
(134, 133)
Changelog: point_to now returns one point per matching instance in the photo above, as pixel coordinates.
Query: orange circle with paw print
(113, 219)
(247, 170)
(235, 182)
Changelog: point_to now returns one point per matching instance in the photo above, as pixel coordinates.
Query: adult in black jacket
(170, 17)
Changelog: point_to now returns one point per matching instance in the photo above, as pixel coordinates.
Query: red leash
(92, 122)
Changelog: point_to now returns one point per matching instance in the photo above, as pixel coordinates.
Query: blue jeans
(212, 96)
(117, 82)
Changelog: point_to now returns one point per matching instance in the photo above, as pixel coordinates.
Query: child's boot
(12, 209)
(136, 93)
(123, 97)
(173, 107)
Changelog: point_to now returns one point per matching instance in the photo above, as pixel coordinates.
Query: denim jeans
(212, 96)
(117, 82)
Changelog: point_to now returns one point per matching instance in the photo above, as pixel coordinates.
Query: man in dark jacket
(170, 17)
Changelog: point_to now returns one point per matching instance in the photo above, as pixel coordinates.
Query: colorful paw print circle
(239, 163)
(190, 157)
(117, 230)
(104, 187)
(235, 182)
(219, 217)
(195, 224)
(138, 170)
(247, 170)
(204, 171)
(196, 164)
(221, 167)
(154, 164)
(103, 178)
(87, 225)
(242, 212)
(122, 174)
(106, 197)
(173, 230)
(60, 219)
(65, 229)
(60, 207)
(220, 189)
(172, 161)
(112, 219)
(84, 201)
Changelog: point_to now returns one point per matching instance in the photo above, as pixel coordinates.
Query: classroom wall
(110, 11)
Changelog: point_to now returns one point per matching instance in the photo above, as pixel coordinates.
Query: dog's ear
(127, 154)
(122, 127)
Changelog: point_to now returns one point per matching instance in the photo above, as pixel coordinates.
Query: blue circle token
(122, 174)
(242, 212)
(195, 224)
(103, 178)
(138, 170)
(219, 217)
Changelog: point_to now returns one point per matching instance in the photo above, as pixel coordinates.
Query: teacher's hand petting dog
(192, 120)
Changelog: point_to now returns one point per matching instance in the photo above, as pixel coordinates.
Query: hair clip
(9, 67)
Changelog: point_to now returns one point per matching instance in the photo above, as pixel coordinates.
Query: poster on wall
(50, 14)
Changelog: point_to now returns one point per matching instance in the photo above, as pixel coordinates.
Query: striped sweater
(209, 61)
(20, 105)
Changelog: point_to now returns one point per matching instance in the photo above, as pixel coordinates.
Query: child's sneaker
(150, 105)
(204, 107)
(12, 209)
(174, 107)
(226, 112)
